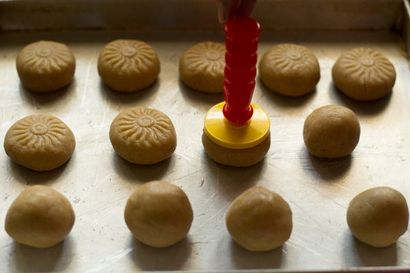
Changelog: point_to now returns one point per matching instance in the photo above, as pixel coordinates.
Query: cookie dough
(39, 142)
(39, 217)
(378, 216)
(289, 69)
(45, 66)
(331, 131)
(128, 65)
(364, 74)
(202, 67)
(143, 135)
(259, 220)
(236, 157)
(158, 214)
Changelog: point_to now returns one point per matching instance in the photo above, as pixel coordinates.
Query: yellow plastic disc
(222, 132)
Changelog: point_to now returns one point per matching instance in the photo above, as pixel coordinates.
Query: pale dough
(45, 66)
(39, 217)
(143, 135)
(202, 67)
(364, 74)
(158, 214)
(259, 220)
(39, 142)
(331, 131)
(289, 69)
(128, 65)
(236, 157)
(378, 216)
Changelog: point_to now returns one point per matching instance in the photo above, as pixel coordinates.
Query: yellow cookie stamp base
(223, 133)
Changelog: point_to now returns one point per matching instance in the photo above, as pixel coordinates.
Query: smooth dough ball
(259, 220)
(364, 74)
(378, 216)
(143, 135)
(236, 157)
(128, 65)
(39, 142)
(39, 217)
(158, 214)
(45, 66)
(202, 67)
(331, 131)
(290, 70)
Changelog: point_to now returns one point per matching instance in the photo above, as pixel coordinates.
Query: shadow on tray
(53, 259)
(196, 97)
(284, 101)
(369, 108)
(143, 173)
(169, 258)
(38, 98)
(243, 259)
(360, 254)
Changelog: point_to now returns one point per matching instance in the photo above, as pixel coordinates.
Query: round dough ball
(143, 135)
(331, 131)
(158, 214)
(364, 74)
(39, 142)
(45, 66)
(236, 157)
(378, 216)
(290, 70)
(202, 67)
(39, 217)
(259, 220)
(128, 65)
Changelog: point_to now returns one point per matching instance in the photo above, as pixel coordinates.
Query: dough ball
(39, 217)
(143, 135)
(45, 66)
(39, 142)
(378, 216)
(236, 157)
(364, 74)
(158, 214)
(128, 65)
(290, 70)
(259, 220)
(202, 67)
(331, 131)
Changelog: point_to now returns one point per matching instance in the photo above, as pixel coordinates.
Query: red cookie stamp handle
(241, 42)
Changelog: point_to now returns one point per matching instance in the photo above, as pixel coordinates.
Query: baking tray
(98, 183)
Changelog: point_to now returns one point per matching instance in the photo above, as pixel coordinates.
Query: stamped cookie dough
(259, 220)
(202, 67)
(39, 142)
(45, 66)
(331, 131)
(364, 74)
(289, 69)
(143, 135)
(128, 65)
(39, 217)
(378, 216)
(236, 157)
(158, 214)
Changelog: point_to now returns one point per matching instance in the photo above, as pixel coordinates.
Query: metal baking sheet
(98, 183)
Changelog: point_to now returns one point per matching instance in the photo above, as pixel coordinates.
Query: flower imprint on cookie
(145, 127)
(128, 56)
(207, 57)
(39, 132)
(46, 57)
(368, 65)
(291, 57)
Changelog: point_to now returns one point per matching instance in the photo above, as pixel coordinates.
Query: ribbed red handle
(241, 42)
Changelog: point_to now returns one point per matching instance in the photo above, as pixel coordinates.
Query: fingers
(246, 7)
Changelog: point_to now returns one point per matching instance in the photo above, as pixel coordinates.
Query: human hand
(232, 8)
